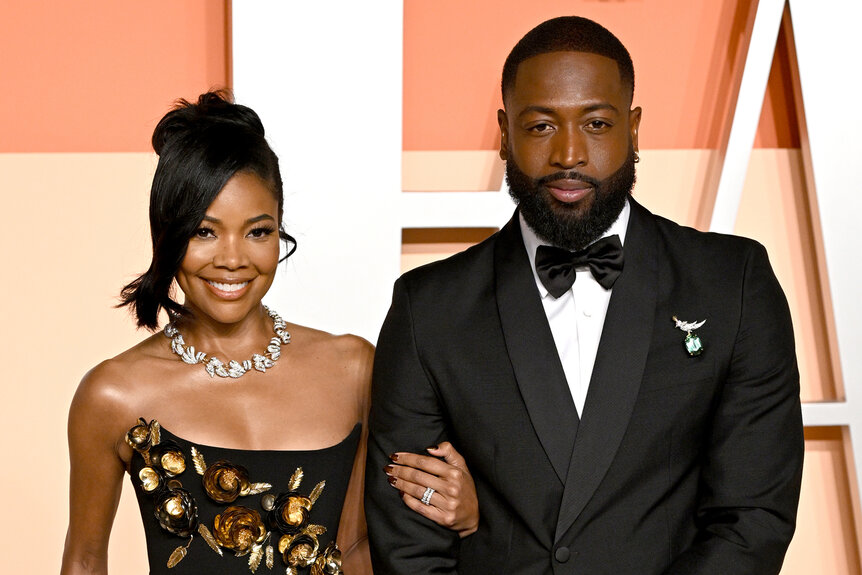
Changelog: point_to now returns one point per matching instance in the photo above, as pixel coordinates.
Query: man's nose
(569, 148)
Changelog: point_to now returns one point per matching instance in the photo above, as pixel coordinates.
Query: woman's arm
(95, 440)
(352, 533)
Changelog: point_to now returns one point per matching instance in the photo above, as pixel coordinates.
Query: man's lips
(568, 191)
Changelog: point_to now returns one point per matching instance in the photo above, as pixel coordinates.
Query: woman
(286, 404)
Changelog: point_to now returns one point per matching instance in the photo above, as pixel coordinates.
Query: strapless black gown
(332, 465)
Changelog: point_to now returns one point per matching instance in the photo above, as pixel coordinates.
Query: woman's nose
(230, 254)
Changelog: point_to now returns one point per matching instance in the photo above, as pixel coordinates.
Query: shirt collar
(532, 241)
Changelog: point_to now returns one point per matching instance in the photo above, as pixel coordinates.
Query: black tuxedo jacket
(679, 464)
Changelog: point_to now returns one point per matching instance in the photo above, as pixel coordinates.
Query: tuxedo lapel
(532, 350)
(618, 369)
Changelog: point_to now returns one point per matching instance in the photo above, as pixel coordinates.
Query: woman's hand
(453, 503)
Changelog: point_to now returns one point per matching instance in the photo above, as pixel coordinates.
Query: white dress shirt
(576, 317)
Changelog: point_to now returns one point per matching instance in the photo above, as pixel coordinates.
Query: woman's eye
(204, 233)
(261, 232)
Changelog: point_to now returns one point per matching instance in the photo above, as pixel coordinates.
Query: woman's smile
(227, 290)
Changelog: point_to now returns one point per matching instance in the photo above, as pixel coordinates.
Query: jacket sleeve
(406, 415)
(752, 472)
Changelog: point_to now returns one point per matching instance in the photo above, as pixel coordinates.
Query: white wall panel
(325, 78)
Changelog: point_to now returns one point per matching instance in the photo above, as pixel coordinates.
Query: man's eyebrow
(599, 106)
(538, 110)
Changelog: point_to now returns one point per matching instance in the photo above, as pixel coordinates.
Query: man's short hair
(569, 34)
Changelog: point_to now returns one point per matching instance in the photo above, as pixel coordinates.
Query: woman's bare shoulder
(111, 391)
(350, 355)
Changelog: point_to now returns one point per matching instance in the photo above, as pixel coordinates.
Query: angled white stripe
(746, 115)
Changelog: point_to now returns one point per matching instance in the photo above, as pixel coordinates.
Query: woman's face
(231, 260)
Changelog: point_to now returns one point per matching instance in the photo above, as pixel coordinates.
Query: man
(645, 418)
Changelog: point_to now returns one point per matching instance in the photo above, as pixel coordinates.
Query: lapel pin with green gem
(693, 345)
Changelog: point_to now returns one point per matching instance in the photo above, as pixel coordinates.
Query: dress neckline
(347, 439)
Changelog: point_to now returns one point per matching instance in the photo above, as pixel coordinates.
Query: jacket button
(562, 554)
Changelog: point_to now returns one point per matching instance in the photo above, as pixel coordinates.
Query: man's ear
(503, 122)
(634, 124)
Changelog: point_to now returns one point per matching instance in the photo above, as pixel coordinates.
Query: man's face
(568, 139)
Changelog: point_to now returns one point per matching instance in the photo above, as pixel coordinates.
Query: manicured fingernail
(433, 447)
(391, 481)
(394, 457)
(388, 469)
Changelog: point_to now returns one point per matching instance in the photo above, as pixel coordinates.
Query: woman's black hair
(200, 147)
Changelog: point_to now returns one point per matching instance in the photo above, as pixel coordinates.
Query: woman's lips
(227, 290)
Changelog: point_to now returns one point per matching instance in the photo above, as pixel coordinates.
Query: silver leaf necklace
(234, 369)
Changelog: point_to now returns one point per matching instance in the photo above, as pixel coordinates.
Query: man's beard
(571, 226)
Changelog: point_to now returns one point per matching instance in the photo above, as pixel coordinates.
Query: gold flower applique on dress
(175, 508)
(298, 545)
(237, 528)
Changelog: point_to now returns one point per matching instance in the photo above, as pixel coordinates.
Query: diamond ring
(426, 498)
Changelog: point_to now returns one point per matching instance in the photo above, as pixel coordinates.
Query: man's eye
(598, 126)
(540, 128)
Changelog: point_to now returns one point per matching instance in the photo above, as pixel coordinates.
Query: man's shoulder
(700, 246)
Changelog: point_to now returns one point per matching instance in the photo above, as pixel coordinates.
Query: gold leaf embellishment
(270, 557)
(258, 488)
(315, 529)
(295, 480)
(198, 460)
(257, 552)
(179, 553)
(315, 493)
(156, 432)
(255, 557)
(208, 537)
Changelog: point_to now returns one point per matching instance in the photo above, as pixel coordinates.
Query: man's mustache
(568, 175)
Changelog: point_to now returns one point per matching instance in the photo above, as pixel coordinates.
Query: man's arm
(752, 472)
(406, 415)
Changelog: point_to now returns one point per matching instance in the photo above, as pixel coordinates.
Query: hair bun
(212, 108)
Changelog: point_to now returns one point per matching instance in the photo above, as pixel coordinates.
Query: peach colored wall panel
(73, 229)
(825, 542)
(686, 55)
(96, 75)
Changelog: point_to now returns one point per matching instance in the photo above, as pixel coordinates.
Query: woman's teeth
(227, 287)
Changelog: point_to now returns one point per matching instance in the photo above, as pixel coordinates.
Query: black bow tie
(556, 266)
